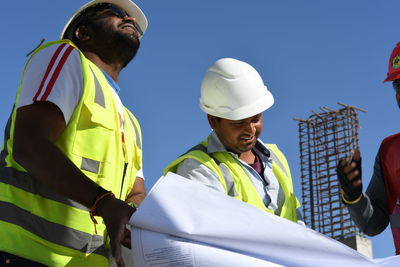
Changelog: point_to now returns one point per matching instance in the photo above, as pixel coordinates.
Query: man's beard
(126, 46)
(116, 46)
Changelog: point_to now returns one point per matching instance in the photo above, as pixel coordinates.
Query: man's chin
(130, 49)
(246, 148)
(249, 145)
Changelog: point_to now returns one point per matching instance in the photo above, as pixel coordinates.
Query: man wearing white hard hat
(71, 163)
(232, 159)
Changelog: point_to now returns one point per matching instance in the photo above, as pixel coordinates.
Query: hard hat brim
(393, 76)
(131, 8)
(262, 104)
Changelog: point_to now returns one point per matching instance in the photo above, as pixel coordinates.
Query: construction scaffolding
(325, 138)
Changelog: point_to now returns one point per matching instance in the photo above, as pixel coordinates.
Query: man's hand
(116, 214)
(349, 174)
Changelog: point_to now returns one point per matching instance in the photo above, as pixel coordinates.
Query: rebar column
(324, 139)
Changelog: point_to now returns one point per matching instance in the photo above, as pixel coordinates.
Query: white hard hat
(130, 8)
(233, 89)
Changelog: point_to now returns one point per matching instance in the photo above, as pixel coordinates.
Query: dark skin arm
(369, 213)
(137, 195)
(349, 167)
(350, 176)
(37, 127)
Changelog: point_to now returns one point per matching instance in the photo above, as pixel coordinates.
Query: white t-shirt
(54, 74)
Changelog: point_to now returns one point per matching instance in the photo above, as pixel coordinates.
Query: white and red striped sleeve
(53, 74)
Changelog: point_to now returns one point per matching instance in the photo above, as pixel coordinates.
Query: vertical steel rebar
(324, 138)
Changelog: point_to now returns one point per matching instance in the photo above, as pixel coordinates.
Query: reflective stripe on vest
(53, 229)
(226, 173)
(99, 95)
(24, 181)
(52, 232)
(137, 131)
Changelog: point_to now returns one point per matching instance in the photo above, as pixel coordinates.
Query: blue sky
(310, 54)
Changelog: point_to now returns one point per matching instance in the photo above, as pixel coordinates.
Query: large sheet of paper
(183, 223)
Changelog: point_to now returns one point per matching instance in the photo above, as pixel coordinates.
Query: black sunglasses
(104, 6)
(92, 11)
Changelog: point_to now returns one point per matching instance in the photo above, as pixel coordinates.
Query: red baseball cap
(394, 65)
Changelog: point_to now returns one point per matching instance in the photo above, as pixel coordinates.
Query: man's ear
(212, 120)
(82, 33)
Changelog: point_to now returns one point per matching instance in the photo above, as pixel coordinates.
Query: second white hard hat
(130, 8)
(233, 89)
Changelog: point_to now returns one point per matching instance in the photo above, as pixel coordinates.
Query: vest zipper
(123, 178)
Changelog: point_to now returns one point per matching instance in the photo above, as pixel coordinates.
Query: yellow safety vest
(226, 167)
(41, 225)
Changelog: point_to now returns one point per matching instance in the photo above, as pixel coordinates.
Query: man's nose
(127, 18)
(250, 128)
